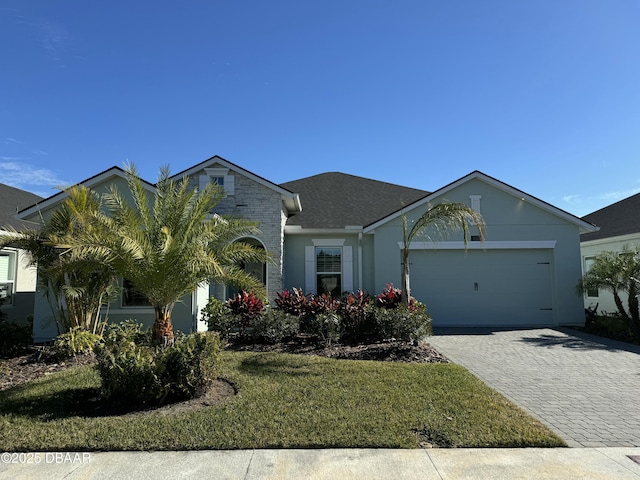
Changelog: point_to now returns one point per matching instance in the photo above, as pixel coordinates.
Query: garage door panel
(485, 288)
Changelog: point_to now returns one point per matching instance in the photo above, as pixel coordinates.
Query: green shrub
(407, 324)
(128, 331)
(74, 342)
(326, 326)
(191, 365)
(275, 326)
(14, 338)
(131, 370)
(128, 373)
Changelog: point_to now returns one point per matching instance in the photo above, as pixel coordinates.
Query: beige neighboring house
(619, 226)
(17, 279)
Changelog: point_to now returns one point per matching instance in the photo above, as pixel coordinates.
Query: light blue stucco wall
(508, 218)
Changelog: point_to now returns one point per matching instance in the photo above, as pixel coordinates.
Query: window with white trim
(7, 276)
(329, 270)
(588, 263)
(329, 267)
(220, 177)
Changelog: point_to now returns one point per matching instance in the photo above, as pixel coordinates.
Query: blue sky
(543, 95)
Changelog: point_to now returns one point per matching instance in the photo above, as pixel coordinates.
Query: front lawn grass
(283, 401)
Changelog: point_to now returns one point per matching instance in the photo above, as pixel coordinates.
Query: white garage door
(484, 287)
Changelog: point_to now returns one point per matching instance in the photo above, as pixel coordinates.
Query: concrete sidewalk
(439, 464)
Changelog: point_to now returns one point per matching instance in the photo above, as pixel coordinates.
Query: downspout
(360, 261)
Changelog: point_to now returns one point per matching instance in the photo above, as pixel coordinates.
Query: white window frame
(12, 263)
(311, 271)
(212, 173)
(586, 268)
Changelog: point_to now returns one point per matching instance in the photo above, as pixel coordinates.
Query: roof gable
(101, 178)
(620, 218)
(337, 200)
(290, 199)
(477, 175)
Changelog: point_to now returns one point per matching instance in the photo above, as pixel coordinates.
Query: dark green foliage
(191, 365)
(275, 326)
(325, 325)
(14, 338)
(133, 370)
(614, 327)
(217, 316)
(402, 323)
(74, 342)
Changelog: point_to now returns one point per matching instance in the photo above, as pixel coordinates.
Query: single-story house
(619, 226)
(17, 278)
(337, 232)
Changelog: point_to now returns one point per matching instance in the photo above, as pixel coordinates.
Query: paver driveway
(586, 388)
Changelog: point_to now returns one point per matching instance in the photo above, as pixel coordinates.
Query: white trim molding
(496, 245)
(328, 242)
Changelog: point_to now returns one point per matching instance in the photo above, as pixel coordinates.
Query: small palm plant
(439, 220)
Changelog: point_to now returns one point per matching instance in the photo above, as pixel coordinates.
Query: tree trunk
(633, 307)
(162, 327)
(406, 287)
(619, 305)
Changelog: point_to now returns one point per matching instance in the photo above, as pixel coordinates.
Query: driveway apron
(585, 388)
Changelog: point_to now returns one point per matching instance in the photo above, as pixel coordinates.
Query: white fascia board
(298, 230)
(89, 183)
(496, 245)
(628, 238)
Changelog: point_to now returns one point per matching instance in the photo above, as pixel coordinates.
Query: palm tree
(167, 242)
(617, 272)
(75, 288)
(439, 220)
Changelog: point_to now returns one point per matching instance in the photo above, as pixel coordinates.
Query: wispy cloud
(618, 194)
(572, 198)
(54, 36)
(24, 176)
(12, 141)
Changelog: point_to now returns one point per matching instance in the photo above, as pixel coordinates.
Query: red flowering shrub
(294, 302)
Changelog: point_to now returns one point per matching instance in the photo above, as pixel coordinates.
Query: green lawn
(283, 401)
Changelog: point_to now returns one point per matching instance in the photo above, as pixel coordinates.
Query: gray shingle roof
(336, 200)
(11, 200)
(621, 218)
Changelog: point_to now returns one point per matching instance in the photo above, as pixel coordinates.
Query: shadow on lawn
(67, 403)
(270, 364)
(73, 402)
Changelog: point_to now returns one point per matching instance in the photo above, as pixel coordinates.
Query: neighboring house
(17, 279)
(336, 232)
(619, 226)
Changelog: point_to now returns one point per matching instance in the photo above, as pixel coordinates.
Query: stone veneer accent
(254, 201)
